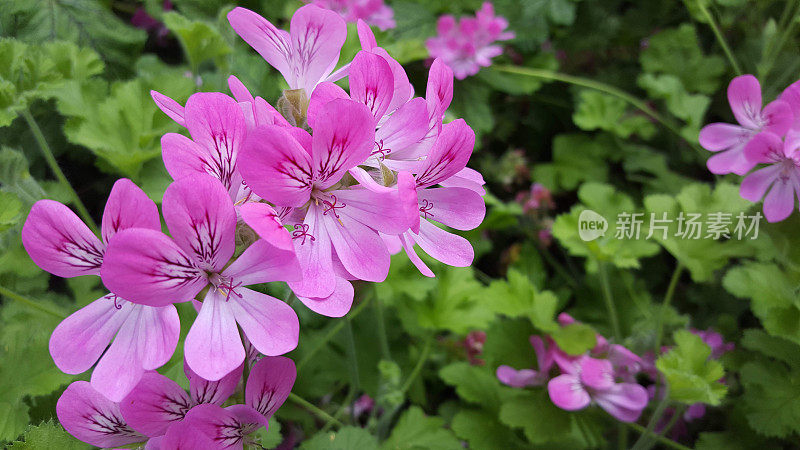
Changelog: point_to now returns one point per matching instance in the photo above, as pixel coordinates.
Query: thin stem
(51, 161)
(382, 337)
(673, 283)
(609, 299)
(720, 38)
(30, 303)
(317, 411)
(351, 357)
(558, 267)
(666, 441)
(602, 87)
(423, 357)
(775, 45)
(673, 420)
(644, 441)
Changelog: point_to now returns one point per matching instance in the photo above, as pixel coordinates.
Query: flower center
(224, 285)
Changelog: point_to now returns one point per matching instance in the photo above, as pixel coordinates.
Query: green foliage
(599, 111)
(416, 431)
(200, 41)
(691, 376)
(345, 439)
(47, 435)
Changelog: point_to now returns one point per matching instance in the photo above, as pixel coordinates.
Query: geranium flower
(529, 377)
(744, 96)
(151, 269)
(373, 12)
(781, 177)
(144, 337)
(304, 56)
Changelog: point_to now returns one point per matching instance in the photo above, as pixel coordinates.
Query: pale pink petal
(755, 185)
(79, 340)
(154, 404)
(446, 247)
(58, 242)
(720, 136)
(158, 331)
(270, 383)
(458, 208)
(213, 346)
(169, 106)
(263, 263)
(365, 36)
(403, 129)
(597, 374)
(317, 37)
(266, 114)
(744, 96)
(439, 92)
(337, 304)
(730, 161)
(201, 218)
(367, 181)
(777, 117)
(269, 324)
(371, 82)
(392, 243)
(516, 378)
(357, 246)
(264, 221)
(216, 392)
(567, 393)
(343, 137)
(239, 90)
(276, 167)
(324, 93)
(779, 202)
(466, 178)
(92, 418)
(388, 212)
(408, 245)
(313, 249)
(128, 207)
(624, 401)
(120, 368)
(145, 266)
(449, 154)
(271, 43)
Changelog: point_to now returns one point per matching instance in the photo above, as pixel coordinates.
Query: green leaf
(474, 384)
(517, 297)
(15, 177)
(772, 398)
(10, 208)
(415, 430)
(599, 111)
(692, 377)
(538, 417)
(47, 435)
(577, 158)
(575, 338)
(270, 437)
(200, 41)
(483, 431)
(346, 438)
(691, 108)
(772, 346)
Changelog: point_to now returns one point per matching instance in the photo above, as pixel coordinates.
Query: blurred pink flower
(373, 12)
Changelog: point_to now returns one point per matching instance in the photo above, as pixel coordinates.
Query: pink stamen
(301, 230)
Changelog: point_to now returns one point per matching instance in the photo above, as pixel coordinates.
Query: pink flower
(151, 269)
(363, 404)
(744, 96)
(781, 177)
(304, 56)
(592, 381)
(473, 344)
(373, 12)
(529, 377)
(336, 225)
(144, 337)
(714, 340)
(469, 44)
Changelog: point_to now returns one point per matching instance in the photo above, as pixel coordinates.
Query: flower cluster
(468, 44)
(766, 135)
(373, 12)
(316, 191)
(605, 376)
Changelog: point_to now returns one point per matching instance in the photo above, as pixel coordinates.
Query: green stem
(382, 337)
(51, 161)
(423, 357)
(775, 45)
(558, 267)
(665, 441)
(602, 87)
(673, 420)
(355, 381)
(673, 283)
(644, 441)
(28, 302)
(720, 38)
(609, 299)
(317, 411)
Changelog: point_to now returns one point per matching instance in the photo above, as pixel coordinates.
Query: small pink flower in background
(714, 340)
(468, 44)
(363, 405)
(538, 198)
(530, 377)
(373, 12)
(473, 344)
(781, 177)
(142, 20)
(744, 96)
(545, 236)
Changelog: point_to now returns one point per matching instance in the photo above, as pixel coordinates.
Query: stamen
(115, 298)
(425, 209)
(331, 207)
(301, 230)
(381, 152)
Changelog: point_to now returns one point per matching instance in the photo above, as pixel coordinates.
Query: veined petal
(94, 419)
(270, 324)
(720, 136)
(145, 266)
(744, 96)
(79, 340)
(216, 392)
(169, 106)
(317, 36)
(154, 404)
(324, 93)
(449, 154)
(597, 374)
(201, 218)
(120, 368)
(624, 401)
(403, 129)
(343, 138)
(271, 43)
(457, 208)
(337, 304)
(777, 117)
(276, 167)
(213, 346)
(313, 249)
(183, 436)
(403, 90)
(221, 426)
(128, 207)
(357, 246)
(270, 383)
(466, 178)
(58, 242)
(388, 212)
(567, 393)
(158, 330)
(264, 221)
(371, 82)
(262, 262)
(764, 148)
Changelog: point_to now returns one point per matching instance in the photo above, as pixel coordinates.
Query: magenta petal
(269, 324)
(458, 208)
(744, 96)
(262, 263)
(597, 374)
(145, 266)
(730, 161)
(270, 383)
(763, 148)
(624, 401)
(264, 221)
(276, 167)
(169, 106)
(343, 137)
(216, 392)
(779, 202)
(544, 357)
(467, 178)
(213, 346)
(220, 425)
(439, 92)
(324, 93)
(92, 418)
(317, 36)
(567, 393)
(59, 242)
(128, 207)
(358, 247)
(271, 43)
(159, 329)
(239, 90)
(202, 220)
(403, 90)
(720, 136)
(755, 185)
(365, 36)
(778, 116)
(444, 246)
(337, 304)
(154, 404)
(183, 435)
(79, 340)
(516, 378)
(371, 82)
(449, 154)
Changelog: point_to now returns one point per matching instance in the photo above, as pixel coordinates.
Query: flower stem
(720, 38)
(51, 161)
(317, 411)
(673, 283)
(423, 357)
(665, 441)
(352, 360)
(644, 441)
(382, 337)
(30, 303)
(609, 299)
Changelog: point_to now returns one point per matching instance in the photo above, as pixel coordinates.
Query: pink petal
(368, 182)
(169, 106)
(159, 329)
(449, 154)
(779, 202)
(371, 82)
(358, 247)
(403, 90)
(720, 136)
(225, 428)
(439, 92)
(201, 218)
(145, 266)
(744, 96)
(239, 90)
(270, 383)
(365, 36)
(92, 418)
(313, 249)
(388, 212)
(337, 304)
(624, 401)
(263, 263)
(764, 148)
(120, 368)
(791, 95)
(567, 393)
(408, 245)
(266, 114)
(128, 207)
(544, 358)
(216, 392)
(271, 43)
(269, 324)
(154, 404)
(458, 208)
(466, 178)
(343, 138)
(446, 247)
(276, 167)
(597, 374)
(324, 93)
(393, 243)
(516, 378)
(213, 346)
(78, 341)
(755, 185)
(264, 221)
(778, 117)
(403, 129)
(183, 435)
(59, 242)
(317, 37)
(730, 161)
